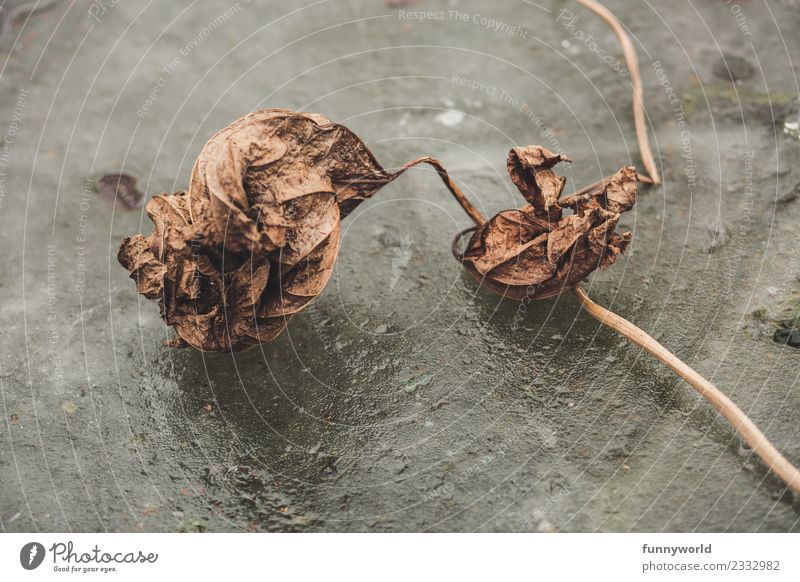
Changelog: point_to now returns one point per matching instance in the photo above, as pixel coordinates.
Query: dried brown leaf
(255, 237)
(537, 251)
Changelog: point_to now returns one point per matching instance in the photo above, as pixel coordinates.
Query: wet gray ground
(405, 399)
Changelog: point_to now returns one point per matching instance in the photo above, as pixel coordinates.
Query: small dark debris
(716, 238)
(791, 195)
(733, 68)
(121, 190)
(789, 337)
(330, 472)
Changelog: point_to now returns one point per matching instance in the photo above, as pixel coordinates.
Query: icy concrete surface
(405, 399)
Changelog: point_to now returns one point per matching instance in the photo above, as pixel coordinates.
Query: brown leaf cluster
(538, 251)
(255, 237)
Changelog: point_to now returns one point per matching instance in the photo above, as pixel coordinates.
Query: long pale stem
(636, 81)
(740, 421)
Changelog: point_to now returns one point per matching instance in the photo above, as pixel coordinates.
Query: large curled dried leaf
(255, 237)
(537, 251)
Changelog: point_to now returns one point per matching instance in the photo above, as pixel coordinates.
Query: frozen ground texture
(405, 399)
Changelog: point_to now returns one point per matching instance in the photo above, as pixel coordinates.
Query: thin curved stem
(473, 212)
(738, 419)
(636, 81)
(454, 246)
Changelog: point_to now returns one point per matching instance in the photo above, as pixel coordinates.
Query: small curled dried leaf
(536, 251)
